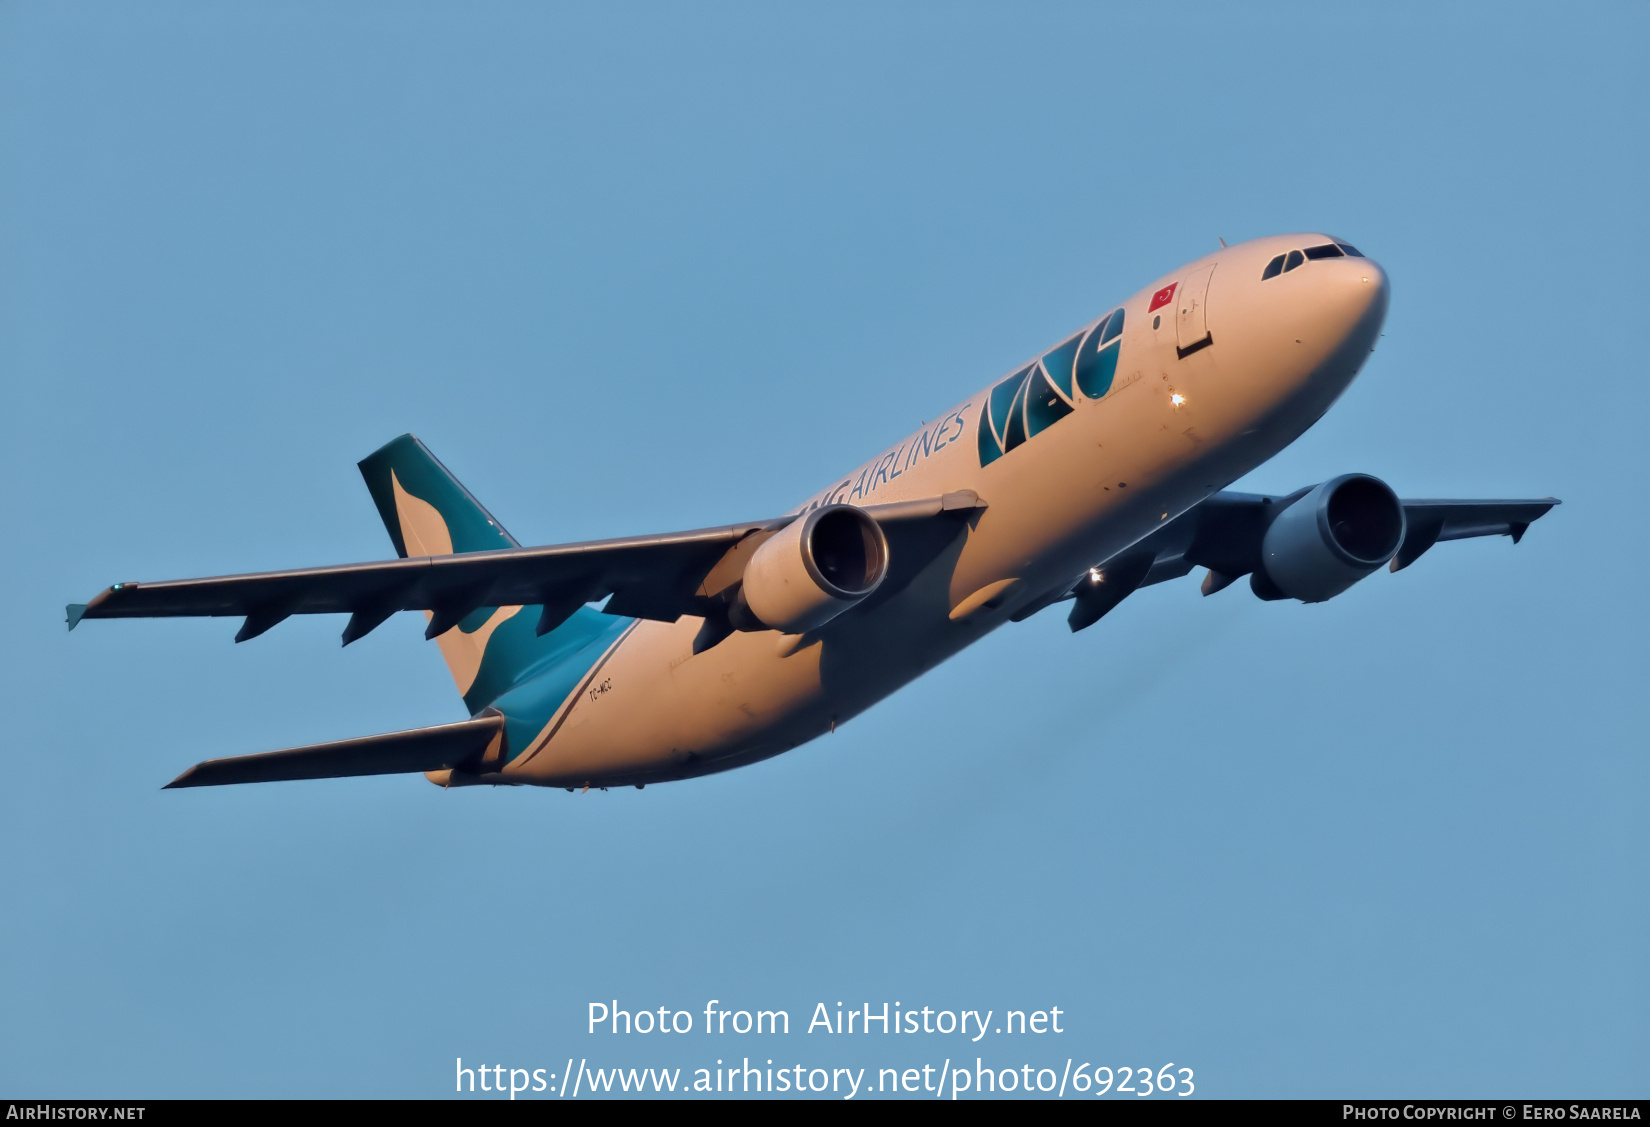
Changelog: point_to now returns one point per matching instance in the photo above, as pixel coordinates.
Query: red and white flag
(1162, 297)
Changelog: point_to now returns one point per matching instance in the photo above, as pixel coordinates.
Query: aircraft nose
(1300, 320)
(1348, 299)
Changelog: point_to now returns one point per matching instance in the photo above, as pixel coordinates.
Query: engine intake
(1332, 537)
(812, 570)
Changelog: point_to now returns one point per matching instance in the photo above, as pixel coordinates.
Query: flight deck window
(1273, 268)
(1295, 259)
(1351, 251)
(1328, 250)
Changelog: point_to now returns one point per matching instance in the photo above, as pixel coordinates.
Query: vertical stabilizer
(492, 650)
(425, 509)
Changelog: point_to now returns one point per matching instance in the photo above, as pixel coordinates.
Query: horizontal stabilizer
(394, 753)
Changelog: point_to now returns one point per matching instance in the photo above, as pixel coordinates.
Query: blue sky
(632, 269)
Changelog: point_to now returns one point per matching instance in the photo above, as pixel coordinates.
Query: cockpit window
(1282, 264)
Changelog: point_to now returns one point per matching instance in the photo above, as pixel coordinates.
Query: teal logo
(1040, 395)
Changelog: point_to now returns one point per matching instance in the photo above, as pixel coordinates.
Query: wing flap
(393, 753)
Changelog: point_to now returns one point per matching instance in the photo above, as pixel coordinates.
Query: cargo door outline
(1192, 313)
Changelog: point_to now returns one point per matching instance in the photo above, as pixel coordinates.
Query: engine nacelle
(1332, 537)
(812, 570)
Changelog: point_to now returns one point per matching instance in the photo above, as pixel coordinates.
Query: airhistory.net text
(884, 1017)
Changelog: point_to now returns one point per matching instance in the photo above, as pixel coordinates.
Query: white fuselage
(1171, 430)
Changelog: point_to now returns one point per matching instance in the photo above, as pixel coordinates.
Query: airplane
(1096, 467)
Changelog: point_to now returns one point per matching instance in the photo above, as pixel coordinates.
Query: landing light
(1177, 399)
(1095, 576)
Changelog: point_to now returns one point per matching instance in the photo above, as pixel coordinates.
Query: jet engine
(1329, 539)
(811, 570)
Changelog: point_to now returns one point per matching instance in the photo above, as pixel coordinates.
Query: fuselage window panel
(1114, 329)
(1295, 259)
(1273, 268)
(1044, 405)
(990, 450)
(1002, 400)
(1096, 365)
(1059, 364)
(1040, 395)
(1016, 433)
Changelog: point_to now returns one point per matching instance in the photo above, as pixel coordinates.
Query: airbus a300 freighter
(1095, 468)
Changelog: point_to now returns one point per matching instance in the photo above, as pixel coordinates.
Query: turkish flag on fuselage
(1162, 297)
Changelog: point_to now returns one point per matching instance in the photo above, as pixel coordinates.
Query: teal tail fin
(425, 509)
(494, 654)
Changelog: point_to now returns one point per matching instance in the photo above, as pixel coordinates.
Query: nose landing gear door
(1191, 314)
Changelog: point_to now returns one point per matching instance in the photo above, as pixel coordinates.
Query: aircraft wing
(1224, 534)
(660, 577)
(1432, 521)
